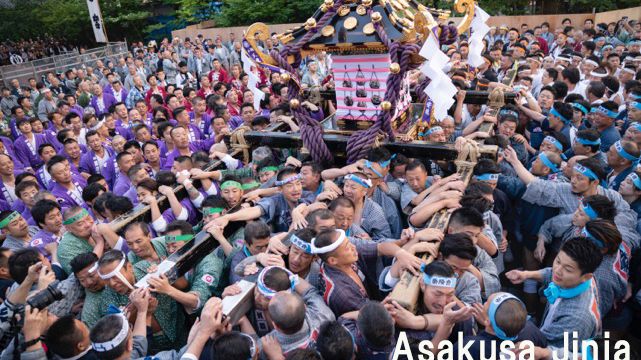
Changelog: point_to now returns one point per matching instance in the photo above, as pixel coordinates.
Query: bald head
(287, 311)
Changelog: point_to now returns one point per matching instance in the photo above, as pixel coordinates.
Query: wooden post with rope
(406, 293)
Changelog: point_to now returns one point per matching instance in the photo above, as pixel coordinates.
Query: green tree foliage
(191, 11)
(245, 12)
(70, 19)
(579, 6)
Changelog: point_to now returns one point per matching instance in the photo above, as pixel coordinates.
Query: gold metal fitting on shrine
(329, 3)
(294, 103)
(310, 24)
(285, 77)
(366, 3)
(386, 105)
(394, 68)
(376, 17)
(327, 30)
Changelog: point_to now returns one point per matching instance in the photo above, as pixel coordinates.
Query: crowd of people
(16, 52)
(544, 240)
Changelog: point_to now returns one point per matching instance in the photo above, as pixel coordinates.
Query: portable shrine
(373, 45)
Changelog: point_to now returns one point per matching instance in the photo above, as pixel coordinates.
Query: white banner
(96, 21)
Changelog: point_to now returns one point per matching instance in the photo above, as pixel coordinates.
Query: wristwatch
(29, 343)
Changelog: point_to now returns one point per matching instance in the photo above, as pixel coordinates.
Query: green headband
(250, 185)
(14, 215)
(230, 183)
(268, 168)
(76, 217)
(177, 238)
(212, 210)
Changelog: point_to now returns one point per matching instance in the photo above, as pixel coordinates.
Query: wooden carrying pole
(408, 289)
(141, 211)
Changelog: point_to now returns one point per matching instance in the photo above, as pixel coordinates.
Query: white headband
(331, 247)
(628, 70)
(117, 340)
(366, 183)
(599, 75)
(93, 268)
(116, 273)
(98, 125)
(591, 62)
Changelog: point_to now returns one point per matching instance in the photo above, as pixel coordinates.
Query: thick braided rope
(311, 131)
(295, 48)
(420, 90)
(448, 35)
(312, 135)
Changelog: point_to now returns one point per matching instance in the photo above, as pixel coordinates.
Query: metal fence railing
(61, 63)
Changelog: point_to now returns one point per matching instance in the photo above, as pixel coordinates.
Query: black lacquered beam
(337, 144)
(471, 97)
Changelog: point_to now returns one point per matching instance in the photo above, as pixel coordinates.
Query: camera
(46, 297)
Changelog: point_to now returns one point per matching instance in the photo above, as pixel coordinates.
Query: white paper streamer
(253, 80)
(479, 29)
(440, 90)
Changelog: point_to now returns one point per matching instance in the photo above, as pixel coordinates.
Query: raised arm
(521, 171)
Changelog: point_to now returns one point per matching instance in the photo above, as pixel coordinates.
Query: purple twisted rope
(296, 48)
(448, 35)
(420, 90)
(311, 131)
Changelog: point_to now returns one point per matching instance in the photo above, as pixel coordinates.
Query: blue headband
(608, 46)
(558, 114)
(606, 112)
(588, 142)
(634, 42)
(557, 144)
(636, 105)
(591, 237)
(432, 130)
(580, 108)
(600, 38)
(546, 161)
(494, 306)
(624, 154)
(387, 162)
(588, 210)
(366, 183)
(508, 112)
(299, 243)
(635, 180)
(288, 180)
(368, 164)
(487, 177)
(440, 281)
(586, 172)
(635, 97)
